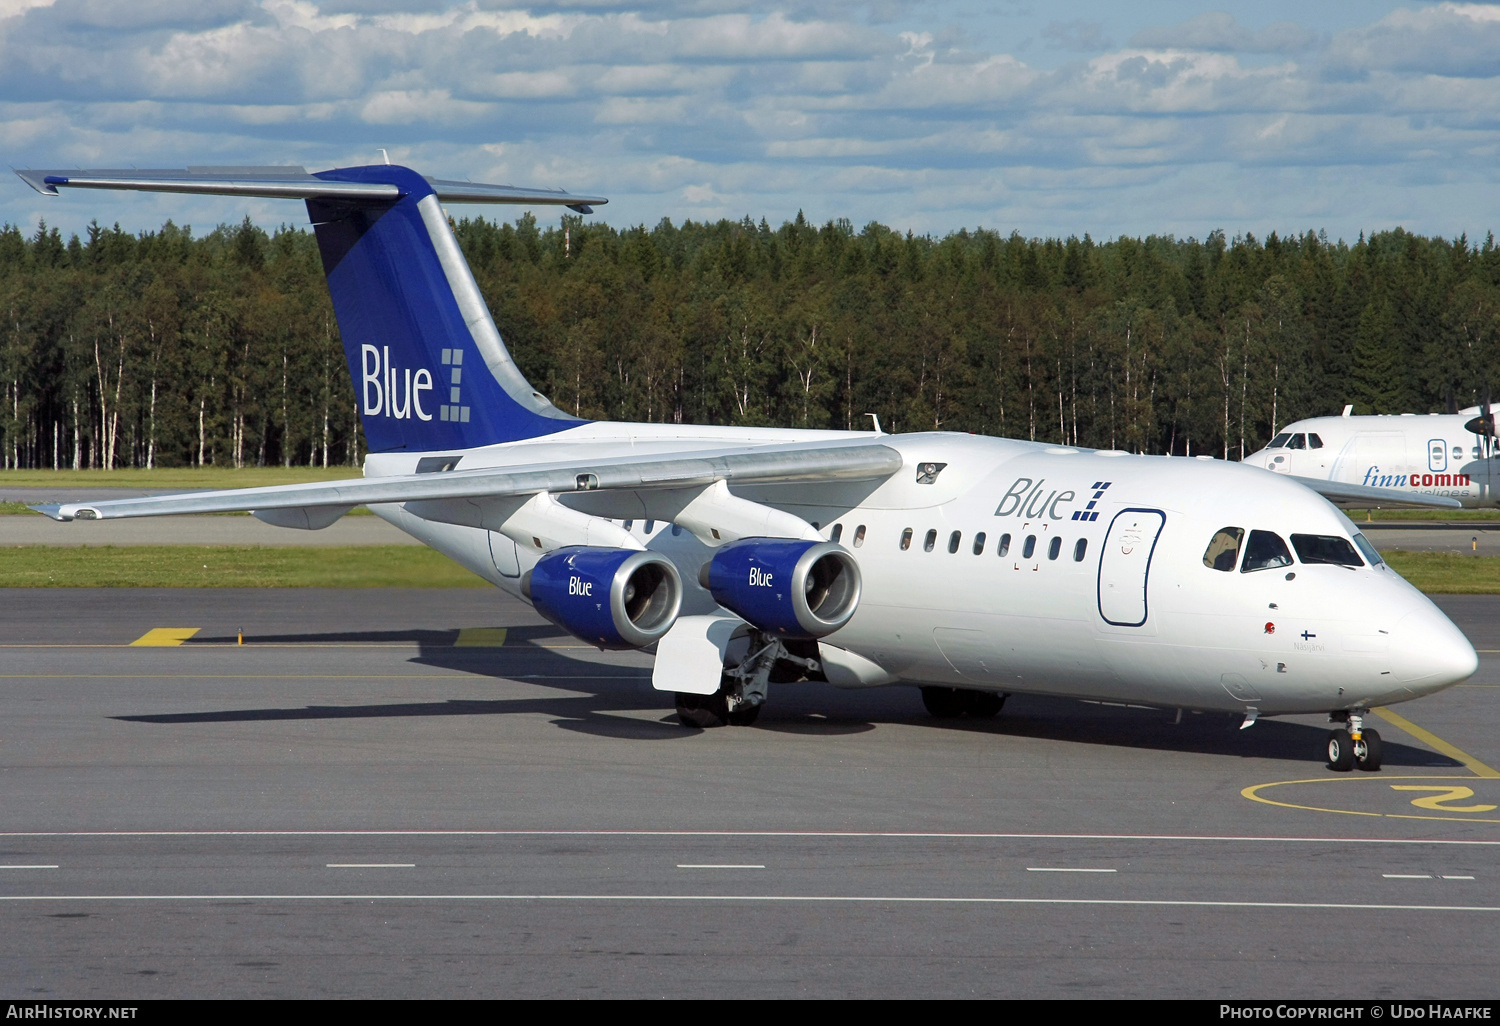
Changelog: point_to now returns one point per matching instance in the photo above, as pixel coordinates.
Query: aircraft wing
(824, 461)
(1353, 496)
(277, 182)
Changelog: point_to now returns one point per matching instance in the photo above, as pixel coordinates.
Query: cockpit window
(1299, 441)
(1325, 548)
(1365, 547)
(1313, 441)
(1279, 441)
(1265, 551)
(1224, 550)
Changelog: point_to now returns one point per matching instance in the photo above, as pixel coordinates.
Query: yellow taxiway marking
(165, 637)
(1430, 739)
(1442, 796)
(480, 637)
(1253, 793)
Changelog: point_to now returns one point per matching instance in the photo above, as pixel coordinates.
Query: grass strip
(231, 566)
(1365, 516)
(1447, 573)
(405, 566)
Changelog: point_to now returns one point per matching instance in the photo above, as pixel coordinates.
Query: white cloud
(719, 106)
(1218, 30)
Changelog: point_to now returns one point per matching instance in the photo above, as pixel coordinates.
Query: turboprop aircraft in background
(972, 567)
(1442, 455)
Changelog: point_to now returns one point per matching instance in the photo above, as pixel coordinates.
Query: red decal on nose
(1270, 628)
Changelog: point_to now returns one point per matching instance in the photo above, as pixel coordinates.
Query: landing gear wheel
(1368, 751)
(1340, 751)
(984, 705)
(744, 715)
(944, 703)
(702, 710)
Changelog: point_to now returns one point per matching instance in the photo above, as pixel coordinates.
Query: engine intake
(614, 598)
(797, 589)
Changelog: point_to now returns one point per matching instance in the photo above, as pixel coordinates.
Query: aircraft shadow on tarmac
(598, 694)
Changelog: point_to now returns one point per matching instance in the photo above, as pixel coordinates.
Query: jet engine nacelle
(796, 589)
(613, 598)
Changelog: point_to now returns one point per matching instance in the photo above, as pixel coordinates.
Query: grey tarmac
(436, 793)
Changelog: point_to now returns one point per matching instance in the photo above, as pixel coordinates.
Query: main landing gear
(752, 665)
(949, 703)
(1353, 745)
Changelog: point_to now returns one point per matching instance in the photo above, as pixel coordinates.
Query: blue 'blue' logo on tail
(429, 368)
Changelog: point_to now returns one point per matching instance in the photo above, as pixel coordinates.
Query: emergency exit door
(1125, 565)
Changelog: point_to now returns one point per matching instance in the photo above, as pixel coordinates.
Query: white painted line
(1407, 876)
(850, 899)
(713, 865)
(372, 865)
(54, 867)
(915, 835)
(1458, 878)
(1051, 869)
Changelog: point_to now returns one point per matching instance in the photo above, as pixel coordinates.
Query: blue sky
(1050, 119)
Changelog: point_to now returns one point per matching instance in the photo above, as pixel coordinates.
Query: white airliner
(972, 567)
(1445, 455)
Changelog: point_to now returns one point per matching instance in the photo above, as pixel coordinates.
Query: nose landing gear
(1354, 745)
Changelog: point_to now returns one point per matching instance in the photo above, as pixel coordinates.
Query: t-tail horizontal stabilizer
(429, 368)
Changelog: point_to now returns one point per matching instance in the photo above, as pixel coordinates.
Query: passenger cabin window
(650, 526)
(1369, 550)
(1054, 548)
(1325, 548)
(1079, 548)
(953, 540)
(1313, 441)
(1279, 441)
(836, 533)
(1223, 550)
(979, 544)
(906, 539)
(1265, 551)
(629, 525)
(1029, 547)
(930, 542)
(859, 536)
(1003, 548)
(1298, 441)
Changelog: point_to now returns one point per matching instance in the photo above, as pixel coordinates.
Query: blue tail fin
(430, 370)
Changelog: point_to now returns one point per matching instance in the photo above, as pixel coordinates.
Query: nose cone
(1256, 459)
(1428, 652)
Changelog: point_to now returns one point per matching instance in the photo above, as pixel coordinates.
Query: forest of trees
(161, 349)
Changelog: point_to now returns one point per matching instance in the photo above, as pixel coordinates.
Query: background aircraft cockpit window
(906, 539)
(1003, 548)
(1265, 551)
(1028, 548)
(1279, 441)
(1325, 548)
(931, 541)
(1223, 550)
(836, 533)
(1313, 441)
(979, 544)
(1365, 547)
(1299, 441)
(859, 536)
(953, 540)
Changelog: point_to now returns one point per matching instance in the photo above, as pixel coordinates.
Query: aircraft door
(1125, 563)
